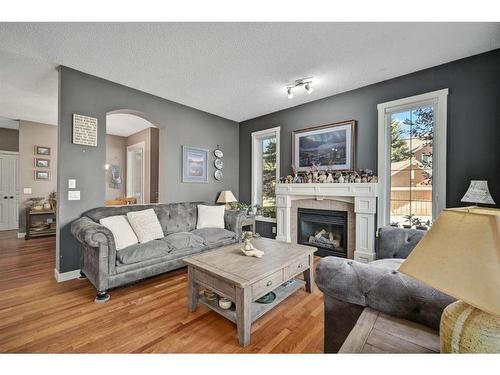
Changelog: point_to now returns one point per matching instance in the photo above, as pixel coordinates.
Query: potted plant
(409, 221)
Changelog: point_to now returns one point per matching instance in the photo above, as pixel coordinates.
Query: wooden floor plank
(39, 315)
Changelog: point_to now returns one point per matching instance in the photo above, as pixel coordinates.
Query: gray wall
(473, 121)
(179, 125)
(9, 139)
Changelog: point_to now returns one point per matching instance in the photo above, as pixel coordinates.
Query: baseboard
(21, 234)
(65, 276)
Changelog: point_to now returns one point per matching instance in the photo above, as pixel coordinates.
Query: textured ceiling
(234, 70)
(124, 125)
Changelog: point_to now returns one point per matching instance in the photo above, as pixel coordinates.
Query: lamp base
(465, 329)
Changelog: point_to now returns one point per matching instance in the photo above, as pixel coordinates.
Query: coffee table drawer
(267, 284)
(297, 267)
(217, 285)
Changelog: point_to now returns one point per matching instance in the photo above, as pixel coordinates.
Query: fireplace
(324, 229)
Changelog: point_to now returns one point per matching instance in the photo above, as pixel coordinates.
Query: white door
(135, 171)
(9, 207)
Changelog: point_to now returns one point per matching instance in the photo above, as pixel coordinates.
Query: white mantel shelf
(363, 195)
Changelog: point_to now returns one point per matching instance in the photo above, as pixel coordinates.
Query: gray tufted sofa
(107, 268)
(350, 286)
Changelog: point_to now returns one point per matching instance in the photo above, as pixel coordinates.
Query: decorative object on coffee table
(225, 303)
(267, 298)
(243, 280)
(460, 257)
(226, 197)
(248, 248)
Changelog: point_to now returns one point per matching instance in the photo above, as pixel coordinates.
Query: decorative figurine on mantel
(248, 248)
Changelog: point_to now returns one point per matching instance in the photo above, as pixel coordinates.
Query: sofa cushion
(122, 231)
(397, 242)
(177, 217)
(145, 225)
(141, 252)
(184, 240)
(213, 235)
(210, 217)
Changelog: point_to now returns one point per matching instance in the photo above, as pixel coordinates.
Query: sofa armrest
(380, 286)
(91, 233)
(233, 220)
(396, 242)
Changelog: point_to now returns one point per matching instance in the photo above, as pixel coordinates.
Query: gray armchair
(350, 286)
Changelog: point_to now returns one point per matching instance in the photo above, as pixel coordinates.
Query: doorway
(136, 165)
(9, 194)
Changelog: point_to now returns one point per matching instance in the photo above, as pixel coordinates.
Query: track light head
(289, 92)
(308, 87)
(306, 82)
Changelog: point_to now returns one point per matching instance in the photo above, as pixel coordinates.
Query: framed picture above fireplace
(331, 146)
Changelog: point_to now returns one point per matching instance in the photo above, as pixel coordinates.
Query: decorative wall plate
(218, 153)
(218, 175)
(219, 164)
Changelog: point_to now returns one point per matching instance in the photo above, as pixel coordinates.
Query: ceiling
(124, 124)
(234, 70)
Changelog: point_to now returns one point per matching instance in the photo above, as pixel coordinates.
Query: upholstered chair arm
(233, 220)
(380, 286)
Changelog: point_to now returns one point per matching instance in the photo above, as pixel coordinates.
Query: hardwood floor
(39, 315)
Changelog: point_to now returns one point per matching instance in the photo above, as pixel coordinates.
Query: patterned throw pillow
(145, 225)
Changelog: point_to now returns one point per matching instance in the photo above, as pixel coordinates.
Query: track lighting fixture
(306, 82)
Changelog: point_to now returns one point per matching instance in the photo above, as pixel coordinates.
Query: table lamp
(226, 197)
(478, 192)
(460, 256)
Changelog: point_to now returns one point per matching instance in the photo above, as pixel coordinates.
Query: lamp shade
(478, 192)
(460, 256)
(226, 196)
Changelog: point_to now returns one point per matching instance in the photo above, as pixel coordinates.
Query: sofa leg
(102, 296)
(82, 276)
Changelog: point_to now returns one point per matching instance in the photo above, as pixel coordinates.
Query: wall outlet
(27, 191)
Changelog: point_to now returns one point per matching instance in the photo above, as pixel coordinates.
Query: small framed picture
(42, 150)
(42, 163)
(42, 175)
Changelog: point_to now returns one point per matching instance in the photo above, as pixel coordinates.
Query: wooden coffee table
(229, 273)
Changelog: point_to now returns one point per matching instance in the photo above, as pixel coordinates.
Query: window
(265, 169)
(412, 159)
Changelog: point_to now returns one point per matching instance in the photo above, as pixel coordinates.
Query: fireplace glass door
(324, 229)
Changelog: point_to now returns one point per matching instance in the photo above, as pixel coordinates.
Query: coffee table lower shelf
(258, 309)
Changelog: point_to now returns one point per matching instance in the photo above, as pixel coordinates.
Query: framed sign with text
(84, 130)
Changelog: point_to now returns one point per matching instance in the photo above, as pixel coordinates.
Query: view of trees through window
(269, 176)
(412, 134)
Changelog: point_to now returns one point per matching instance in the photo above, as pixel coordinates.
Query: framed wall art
(42, 163)
(42, 175)
(194, 164)
(42, 150)
(331, 146)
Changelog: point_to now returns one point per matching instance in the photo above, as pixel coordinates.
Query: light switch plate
(74, 195)
(72, 183)
(27, 191)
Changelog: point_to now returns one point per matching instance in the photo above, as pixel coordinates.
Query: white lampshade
(226, 196)
(478, 192)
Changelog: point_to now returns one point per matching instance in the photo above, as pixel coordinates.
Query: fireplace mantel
(363, 195)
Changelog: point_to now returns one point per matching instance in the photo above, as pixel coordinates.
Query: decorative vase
(465, 329)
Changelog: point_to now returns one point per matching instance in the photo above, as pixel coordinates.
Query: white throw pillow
(145, 225)
(121, 229)
(210, 216)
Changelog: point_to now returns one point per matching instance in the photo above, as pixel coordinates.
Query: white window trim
(256, 136)
(439, 99)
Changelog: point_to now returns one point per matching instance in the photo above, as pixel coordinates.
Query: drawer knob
(269, 283)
